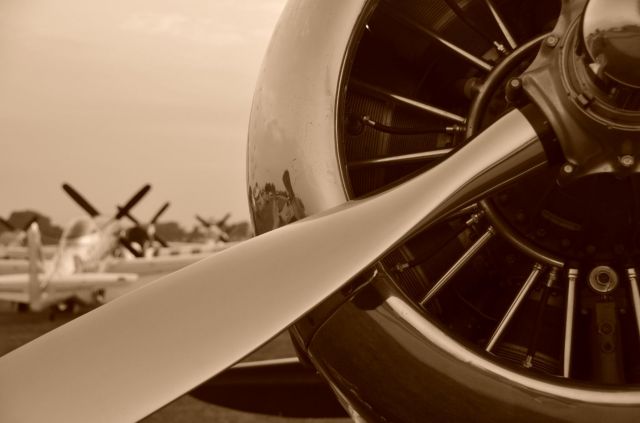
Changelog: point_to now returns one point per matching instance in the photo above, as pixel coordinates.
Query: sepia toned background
(109, 95)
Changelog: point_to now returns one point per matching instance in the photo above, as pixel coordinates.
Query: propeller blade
(224, 219)
(80, 200)
(8, 224)
(149, 229)
(150, 346)
(162, 242)
(155, 218)
(160, 212)
(203, 221)
(123, 211)
(129, 216)
(126, 244)
(286, 180)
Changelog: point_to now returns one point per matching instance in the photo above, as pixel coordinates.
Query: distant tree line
(50, 233)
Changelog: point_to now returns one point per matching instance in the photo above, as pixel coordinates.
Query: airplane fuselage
(84, 245)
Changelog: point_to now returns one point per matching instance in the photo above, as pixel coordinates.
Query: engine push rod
(475, 61)
(453, 5)
(572, 277)
(459, 264)
(497, 333)
(546, 291)
(635, 295)
(406, 101)
(501, 24)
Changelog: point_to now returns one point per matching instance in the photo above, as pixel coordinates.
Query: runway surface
(17, 329)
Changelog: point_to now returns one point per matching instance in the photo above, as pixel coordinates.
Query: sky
(110, 95)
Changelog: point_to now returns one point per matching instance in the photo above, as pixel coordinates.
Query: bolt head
(551, 41)
(567, 168)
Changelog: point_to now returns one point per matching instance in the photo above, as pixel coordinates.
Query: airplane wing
(16, 287)
(153, 265)
(178, 248)
(91, 281)
(10, 266)
(18, 252)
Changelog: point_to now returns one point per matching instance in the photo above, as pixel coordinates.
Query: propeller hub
(587, 84)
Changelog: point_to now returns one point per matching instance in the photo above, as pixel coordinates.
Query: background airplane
(210, 236)
(77, 269)
(63, 280)
(216, 230)
(85, 264)
(86, 241)
(112, 236)
(143, 236)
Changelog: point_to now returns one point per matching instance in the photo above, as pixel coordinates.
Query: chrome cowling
(348, 98)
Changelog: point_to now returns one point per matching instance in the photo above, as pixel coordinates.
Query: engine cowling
(522, 306)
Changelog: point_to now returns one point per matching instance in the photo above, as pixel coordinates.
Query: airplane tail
(36, 264)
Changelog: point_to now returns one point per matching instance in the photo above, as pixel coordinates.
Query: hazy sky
(109, 95)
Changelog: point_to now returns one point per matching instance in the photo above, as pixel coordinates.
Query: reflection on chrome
(611, 33)
(273, 208)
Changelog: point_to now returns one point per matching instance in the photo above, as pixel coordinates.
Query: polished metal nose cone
(611, 35)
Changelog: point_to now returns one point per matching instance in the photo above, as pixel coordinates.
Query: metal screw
(627, 160)
(567, 168)
(551, 41)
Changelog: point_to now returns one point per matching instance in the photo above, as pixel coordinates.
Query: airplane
(77, 269)
(215, 229)
(50, 283)
(469, 241)
(87, 239)
(214, 239)
(144, 236)
(149, 266)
